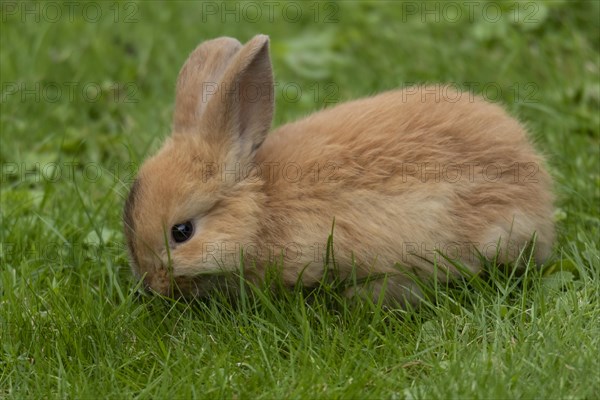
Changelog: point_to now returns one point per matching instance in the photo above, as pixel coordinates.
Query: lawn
(87, 93)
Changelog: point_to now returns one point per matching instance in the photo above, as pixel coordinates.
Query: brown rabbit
(413, 178)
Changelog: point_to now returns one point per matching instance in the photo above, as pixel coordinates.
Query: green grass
(71, 323)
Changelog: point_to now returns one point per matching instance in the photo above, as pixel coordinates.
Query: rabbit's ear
(199, 76)
(241, 109)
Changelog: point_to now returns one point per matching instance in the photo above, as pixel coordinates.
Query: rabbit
(408, 182)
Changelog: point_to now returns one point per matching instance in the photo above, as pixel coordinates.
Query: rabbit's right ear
(200, 75)
(240, 112)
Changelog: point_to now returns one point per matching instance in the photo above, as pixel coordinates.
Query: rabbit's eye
(182, 232)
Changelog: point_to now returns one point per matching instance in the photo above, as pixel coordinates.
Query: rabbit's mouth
(196, 287)
(202, 286)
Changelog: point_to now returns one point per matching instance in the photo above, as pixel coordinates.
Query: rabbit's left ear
(199, 75)
(242, 106)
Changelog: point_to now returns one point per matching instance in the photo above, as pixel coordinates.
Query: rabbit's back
(399, 128)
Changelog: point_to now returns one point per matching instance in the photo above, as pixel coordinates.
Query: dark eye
(182, 232)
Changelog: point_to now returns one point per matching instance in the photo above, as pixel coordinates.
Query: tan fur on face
(356, 162)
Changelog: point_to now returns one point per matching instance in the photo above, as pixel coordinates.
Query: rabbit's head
(196, 201)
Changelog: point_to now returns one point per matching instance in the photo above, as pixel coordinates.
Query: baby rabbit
(410, 181)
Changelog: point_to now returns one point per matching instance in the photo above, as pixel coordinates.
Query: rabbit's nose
(146, 287)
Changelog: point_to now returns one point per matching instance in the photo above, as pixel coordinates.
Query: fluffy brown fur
(408, 175)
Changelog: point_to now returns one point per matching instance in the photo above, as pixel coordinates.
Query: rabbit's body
(404, 173)
(408, 175)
